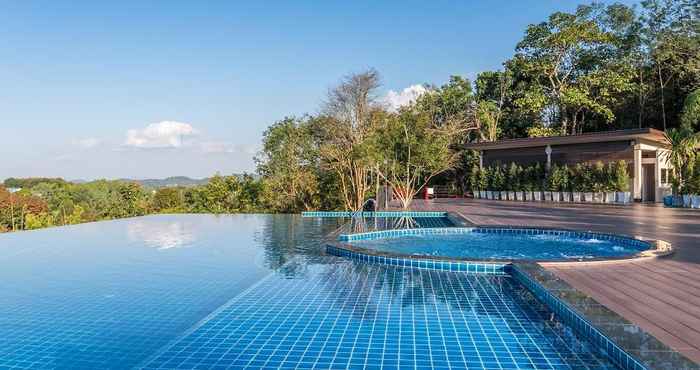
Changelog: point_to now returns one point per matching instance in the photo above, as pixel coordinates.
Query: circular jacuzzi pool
(497, 244)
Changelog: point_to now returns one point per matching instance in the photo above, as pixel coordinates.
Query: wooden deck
(662, 295)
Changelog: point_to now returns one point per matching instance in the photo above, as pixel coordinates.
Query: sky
(150, 89)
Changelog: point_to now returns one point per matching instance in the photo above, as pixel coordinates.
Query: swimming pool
(256, 291)
(498, 244)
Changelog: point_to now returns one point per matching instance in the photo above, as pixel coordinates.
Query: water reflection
(162, 233)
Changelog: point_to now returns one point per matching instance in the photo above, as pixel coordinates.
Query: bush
(513, 178)
(620, 177)
(598, 177)
(497, 177)
(474, 177)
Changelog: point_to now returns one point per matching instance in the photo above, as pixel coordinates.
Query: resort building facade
(645, 151)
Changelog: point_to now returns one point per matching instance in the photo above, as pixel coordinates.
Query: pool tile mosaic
(351, 315)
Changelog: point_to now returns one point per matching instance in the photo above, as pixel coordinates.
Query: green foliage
(690, 118)
(497, 178)
(620, 177)
(12, 182)
(168, 200)
(596, 177)
(474, 178)
(513, 177)
(558, 179)
(542, 131)
(290, 165)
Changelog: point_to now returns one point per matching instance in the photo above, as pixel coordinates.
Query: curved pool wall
(627, 246)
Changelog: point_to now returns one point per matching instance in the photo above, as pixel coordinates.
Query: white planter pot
(489, 194)
(519, 196)
(566, 196)
(537, 196)
(696, 201)
(527, 195)
(482, 194)
(476, 194)
(576, 197)
(598, 197)
(588, 197)
(610, 197)
(556, 196)
(687, 202)
(504, 195)
(547, 196)
(622, 197)
(511, 195)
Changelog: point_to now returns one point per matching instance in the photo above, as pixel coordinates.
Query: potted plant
(565, 184)
(587, 183)
(513, 181)
(474, 180)
(551, 183)
(576, 183)
(499, 180)
(621, 180)
(537, 176)
(599, 182)
(487, 177)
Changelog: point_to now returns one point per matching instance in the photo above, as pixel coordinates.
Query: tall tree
(351, 116)
(571, 72)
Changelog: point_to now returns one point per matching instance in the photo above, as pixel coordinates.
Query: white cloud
(213, 147)
(88, 142)
(395, 100)
(164, 134)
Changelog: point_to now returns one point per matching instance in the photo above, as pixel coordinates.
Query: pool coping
(625, 344)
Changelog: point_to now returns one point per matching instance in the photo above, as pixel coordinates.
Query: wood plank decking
(662, 296)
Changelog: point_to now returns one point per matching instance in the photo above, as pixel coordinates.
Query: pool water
(509, 246)
(256, 291)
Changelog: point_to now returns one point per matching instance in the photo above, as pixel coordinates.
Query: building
(644, 150)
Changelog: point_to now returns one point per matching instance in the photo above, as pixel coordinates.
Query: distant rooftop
(646, 134)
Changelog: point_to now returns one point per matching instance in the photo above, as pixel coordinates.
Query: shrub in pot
(577, 182)
(474, 180)
(600, 180)
(512, 183)
(497, 181)
(621, 182)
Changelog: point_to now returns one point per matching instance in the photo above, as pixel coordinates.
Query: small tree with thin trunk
(416, 149)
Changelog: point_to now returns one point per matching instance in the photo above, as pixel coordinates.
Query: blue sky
(82, 81)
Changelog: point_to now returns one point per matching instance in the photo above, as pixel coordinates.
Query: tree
(571, 72)
(290, 165)
(415, 148)
(351, 115)
(682, 154)
(168, 199)
(671, 38)
(690, 119)
(492, 92)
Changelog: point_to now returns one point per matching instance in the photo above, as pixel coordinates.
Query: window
(665, 175)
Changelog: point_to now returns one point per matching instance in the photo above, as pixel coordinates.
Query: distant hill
(169, 182)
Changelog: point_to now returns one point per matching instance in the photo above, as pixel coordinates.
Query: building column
(637, 166)
(481, 159)
(548, 151)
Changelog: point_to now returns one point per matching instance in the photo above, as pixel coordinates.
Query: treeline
(53, 202)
